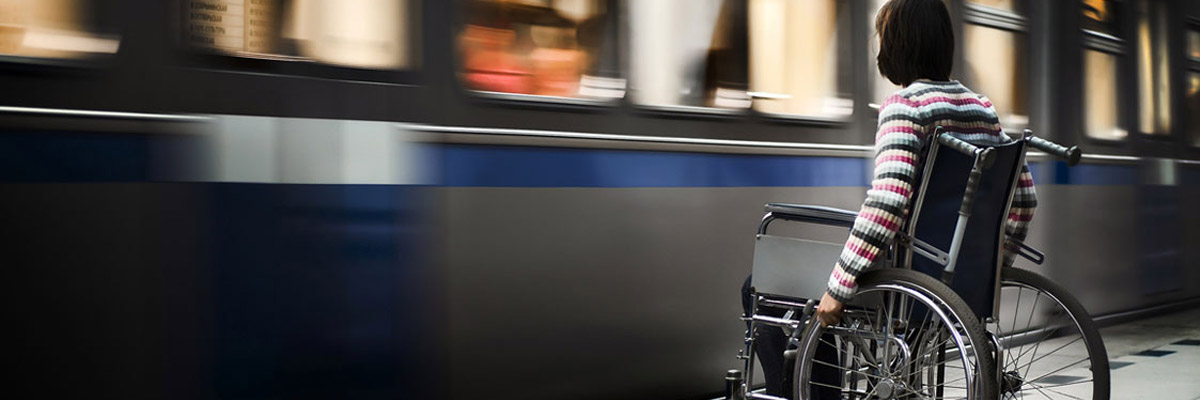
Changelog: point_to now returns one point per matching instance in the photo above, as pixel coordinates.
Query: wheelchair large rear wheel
(904, 336)
(1051, 347)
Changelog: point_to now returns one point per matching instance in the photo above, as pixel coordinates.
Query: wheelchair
(924, 325)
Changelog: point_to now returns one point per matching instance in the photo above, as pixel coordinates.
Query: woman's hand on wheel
(829, 312)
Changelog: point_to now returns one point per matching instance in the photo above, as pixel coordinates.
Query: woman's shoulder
(936, 94)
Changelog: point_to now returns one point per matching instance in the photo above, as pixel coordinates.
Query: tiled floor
(1163, 356)
(1154, 358)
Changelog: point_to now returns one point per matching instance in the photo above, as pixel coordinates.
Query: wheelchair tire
(1074, 326)
(920, 374)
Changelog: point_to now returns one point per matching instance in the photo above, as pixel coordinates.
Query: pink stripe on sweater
(861, 252)
(943, 99)
(895, 129)
(1018, 217)
(879, 219)
(841, 278)
(895, 157)
(892, 188)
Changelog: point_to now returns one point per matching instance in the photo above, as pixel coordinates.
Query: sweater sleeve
(897, 146)
(1020, 213)
(1024, 201)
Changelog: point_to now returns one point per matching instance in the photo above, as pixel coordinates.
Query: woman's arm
(897, 143)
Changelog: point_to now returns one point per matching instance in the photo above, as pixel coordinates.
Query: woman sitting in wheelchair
(916, 42)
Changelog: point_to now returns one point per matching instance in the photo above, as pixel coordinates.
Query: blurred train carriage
(514, 198)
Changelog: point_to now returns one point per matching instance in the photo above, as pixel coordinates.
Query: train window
(1100, 97)
(1153, 69)
(1100, 16)
(1101, 63)
(1193, 106)
(799, 58)
(1193, 44)
(60, 29)
(365, 34)
(560, 48)
(688, 53)
(1193, 83)
(995, 67)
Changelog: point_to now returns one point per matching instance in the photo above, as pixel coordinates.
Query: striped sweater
(905, 119)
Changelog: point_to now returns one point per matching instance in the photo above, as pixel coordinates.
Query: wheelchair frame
(800, 309)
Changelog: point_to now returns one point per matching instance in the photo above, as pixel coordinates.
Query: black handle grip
(984, 153)
(1071, 155)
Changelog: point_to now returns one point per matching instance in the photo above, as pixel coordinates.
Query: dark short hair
(916, 41)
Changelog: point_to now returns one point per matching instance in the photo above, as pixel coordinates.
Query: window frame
(458, 11)
(1173, 71)
(1115, 46)
(845, 38)
(1191, 134)
(1016, 21)
(109, 24)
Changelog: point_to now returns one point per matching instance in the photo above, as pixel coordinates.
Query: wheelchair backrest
(935, 212)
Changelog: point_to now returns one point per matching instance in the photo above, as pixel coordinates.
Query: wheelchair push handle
(1070, 154)
(948, 140)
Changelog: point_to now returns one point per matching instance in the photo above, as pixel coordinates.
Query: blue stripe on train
(1095, 174)
(73, 157)
(518, 166)
(106, 157)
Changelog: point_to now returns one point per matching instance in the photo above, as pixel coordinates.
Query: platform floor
(1156, 358)
(1152, 358)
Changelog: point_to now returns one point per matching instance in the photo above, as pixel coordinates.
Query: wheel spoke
(1057, 370)
(1039, 388)
(1028, 366)
(1030, 323)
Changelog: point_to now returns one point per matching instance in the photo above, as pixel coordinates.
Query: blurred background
(534, 199)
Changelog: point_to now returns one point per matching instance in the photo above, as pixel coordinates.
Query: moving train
(535, 199)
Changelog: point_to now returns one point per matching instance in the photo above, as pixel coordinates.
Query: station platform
(1149, 358)
(1156, 358)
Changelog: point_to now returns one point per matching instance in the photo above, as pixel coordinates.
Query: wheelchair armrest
(1024, 250)
(812, 213)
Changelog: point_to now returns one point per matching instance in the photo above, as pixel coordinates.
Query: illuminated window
(799, 60)
(1101, 16)
(1193, 106)
(368, 34)
(562, 48)
(1192, 101)
(995, 66)
(883, 87)
(1153, 70)
(55, 29)
(1100, 97)
(1101, 63)
(1193, 44)
(688, 53)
